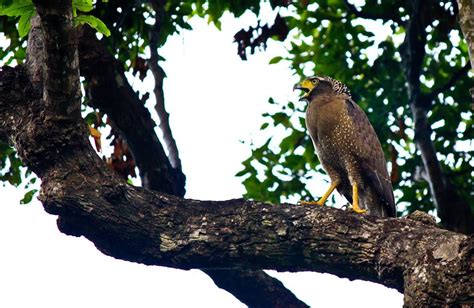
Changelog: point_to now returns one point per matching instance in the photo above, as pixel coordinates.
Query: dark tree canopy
(413, 83)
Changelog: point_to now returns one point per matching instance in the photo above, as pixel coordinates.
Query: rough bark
(455, 212)
(109, 91)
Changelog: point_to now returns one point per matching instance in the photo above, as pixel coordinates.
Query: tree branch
(109, 91)
(60, 63)
(454, 78)
(159, 75)
(254, 288)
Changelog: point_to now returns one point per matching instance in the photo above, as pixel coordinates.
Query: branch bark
(455, 213)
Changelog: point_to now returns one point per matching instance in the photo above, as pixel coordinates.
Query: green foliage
(28, 196)
(22, 8)
(25, 9)
(94, 22)
(329, 40)
(82, 5)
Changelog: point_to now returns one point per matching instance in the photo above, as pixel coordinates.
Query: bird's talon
(359, 210)
(310, 203)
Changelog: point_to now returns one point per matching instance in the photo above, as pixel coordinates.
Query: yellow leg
(324, 197)
(355, 200)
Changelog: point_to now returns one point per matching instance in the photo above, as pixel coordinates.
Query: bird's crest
(337, 86)
(310, 83)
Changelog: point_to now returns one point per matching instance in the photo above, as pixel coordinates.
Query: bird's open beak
(306, 86)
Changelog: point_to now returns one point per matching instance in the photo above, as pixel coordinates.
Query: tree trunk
(455, 212)
(466, 21)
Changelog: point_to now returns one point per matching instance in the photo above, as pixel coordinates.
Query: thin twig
(159, 75)
(387, 15)
(454, 78)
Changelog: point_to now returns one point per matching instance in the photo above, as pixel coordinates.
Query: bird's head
(320, 84)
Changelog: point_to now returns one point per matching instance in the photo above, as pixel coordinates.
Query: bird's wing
(372, 159)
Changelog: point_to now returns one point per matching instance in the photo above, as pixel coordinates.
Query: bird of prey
(347, 147)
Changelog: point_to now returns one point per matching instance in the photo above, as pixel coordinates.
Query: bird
(347, 147)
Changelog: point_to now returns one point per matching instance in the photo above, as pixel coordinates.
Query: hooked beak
(306, 86)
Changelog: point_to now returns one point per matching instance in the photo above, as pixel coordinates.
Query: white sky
(215, 100)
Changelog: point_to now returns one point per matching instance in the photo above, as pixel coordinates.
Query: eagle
(347, 147)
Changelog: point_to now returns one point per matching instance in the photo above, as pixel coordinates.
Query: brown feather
(372, 159)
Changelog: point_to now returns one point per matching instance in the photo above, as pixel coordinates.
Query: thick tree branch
(455, 213)
(159, 75)
(144, 226)
(61, 62)
(254, 288)
(109, 91)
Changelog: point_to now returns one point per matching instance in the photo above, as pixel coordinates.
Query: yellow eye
(314, 81)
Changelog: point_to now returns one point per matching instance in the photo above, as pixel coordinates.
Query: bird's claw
(310, 203)
(359, 210)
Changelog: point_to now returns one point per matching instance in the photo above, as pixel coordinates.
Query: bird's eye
(314, 81)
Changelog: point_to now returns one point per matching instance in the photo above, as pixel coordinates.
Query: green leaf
(242, 172)
(6, 2)
(83, 5)
(28, 196)
(16, 8)
(94, 22)
(275, 60)
(24, 24)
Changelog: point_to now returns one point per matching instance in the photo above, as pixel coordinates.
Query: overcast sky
(215, 100)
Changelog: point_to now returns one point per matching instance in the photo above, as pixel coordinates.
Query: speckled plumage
(347, 145)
